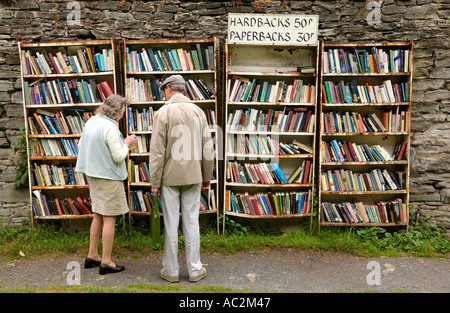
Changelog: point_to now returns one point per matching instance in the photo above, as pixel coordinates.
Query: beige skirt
(107, 196)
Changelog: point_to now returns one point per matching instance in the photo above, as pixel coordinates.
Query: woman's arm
(118, 149)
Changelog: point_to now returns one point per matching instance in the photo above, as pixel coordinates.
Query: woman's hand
(130, 141)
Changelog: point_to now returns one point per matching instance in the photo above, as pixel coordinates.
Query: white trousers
(186, 198)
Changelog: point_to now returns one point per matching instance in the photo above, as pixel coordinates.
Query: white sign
(273, 29)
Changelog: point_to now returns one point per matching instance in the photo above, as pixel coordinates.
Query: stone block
(10, 195)
(427, 11)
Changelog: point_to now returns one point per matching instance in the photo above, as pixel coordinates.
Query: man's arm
(157, 151)
(208, 154)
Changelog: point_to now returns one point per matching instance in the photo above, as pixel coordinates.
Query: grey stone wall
(424, 21)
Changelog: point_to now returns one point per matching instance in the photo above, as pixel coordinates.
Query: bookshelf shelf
(264, 86)
(370, 86)
(275, 74)
(59, 187)
(237, 132)
(81, 75)
(365, 104)
(62, 85)
(65, 217)
(345, 193)
(270, 104)
(268, 156)
(146, 64)
(365, 74)
(248, 185)
(170, 72)
(55, 158)
(284, 216)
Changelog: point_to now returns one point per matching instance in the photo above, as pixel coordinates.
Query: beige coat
(181, 149)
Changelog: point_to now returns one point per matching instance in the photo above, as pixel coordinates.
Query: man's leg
(190, 205)
(170, 203)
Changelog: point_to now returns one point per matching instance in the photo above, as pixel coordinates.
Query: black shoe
(89, 263)
(105, 269)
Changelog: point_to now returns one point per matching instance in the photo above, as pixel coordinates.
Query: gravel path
(280, 271)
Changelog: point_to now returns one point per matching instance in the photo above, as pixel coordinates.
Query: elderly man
(181, 165)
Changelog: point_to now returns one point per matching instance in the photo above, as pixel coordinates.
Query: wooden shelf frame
(213, 104)
(307, 56)
(404, 165)
(110, 76)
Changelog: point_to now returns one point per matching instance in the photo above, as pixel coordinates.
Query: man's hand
(155, 192)
(205, 185)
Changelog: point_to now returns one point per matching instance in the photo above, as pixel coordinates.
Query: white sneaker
(170, 279)
(199, 277)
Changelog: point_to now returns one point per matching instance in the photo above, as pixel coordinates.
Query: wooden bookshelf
(366, 83)
(62, 85)
(160, 54)
(254, 149)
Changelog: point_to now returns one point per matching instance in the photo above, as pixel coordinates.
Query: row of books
(142, 201)
(269, 203)
(375, 180)
(370, 60)
(288, 120)
(267, 173)
(337, 151)
(140, 121)
(197, 89)
(63, 92)
(381, 212)
(261, 144)
(138, 172)
(43, 206)
(44, 122)
(86, 60)
(143, 144)
(243, 89)
(144, 89)
(148, 60)
(57, 175)
(53, 147)
(354, 122)
(341, 92)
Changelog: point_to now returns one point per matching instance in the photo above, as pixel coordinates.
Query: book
(269, 203)
(393, 211)
(252, 90)
(366, 60)
(199, 57)
(43, 205)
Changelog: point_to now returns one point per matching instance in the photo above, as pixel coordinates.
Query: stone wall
(424, 21)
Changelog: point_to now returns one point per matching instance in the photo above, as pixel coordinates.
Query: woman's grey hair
(112, 106)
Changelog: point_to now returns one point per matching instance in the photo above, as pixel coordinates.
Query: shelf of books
(62, 85)
(270, 116)
(147, 64)
(365, 116)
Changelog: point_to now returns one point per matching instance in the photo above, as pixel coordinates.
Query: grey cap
(172, 80)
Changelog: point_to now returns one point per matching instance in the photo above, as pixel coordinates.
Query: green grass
(135, 288)
(421, 240)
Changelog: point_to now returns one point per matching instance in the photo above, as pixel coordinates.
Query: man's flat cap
(172, 80)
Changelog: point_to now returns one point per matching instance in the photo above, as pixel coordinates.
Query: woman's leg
(107, 239)
(96, 229)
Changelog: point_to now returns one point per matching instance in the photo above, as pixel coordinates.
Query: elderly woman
(101, 156)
